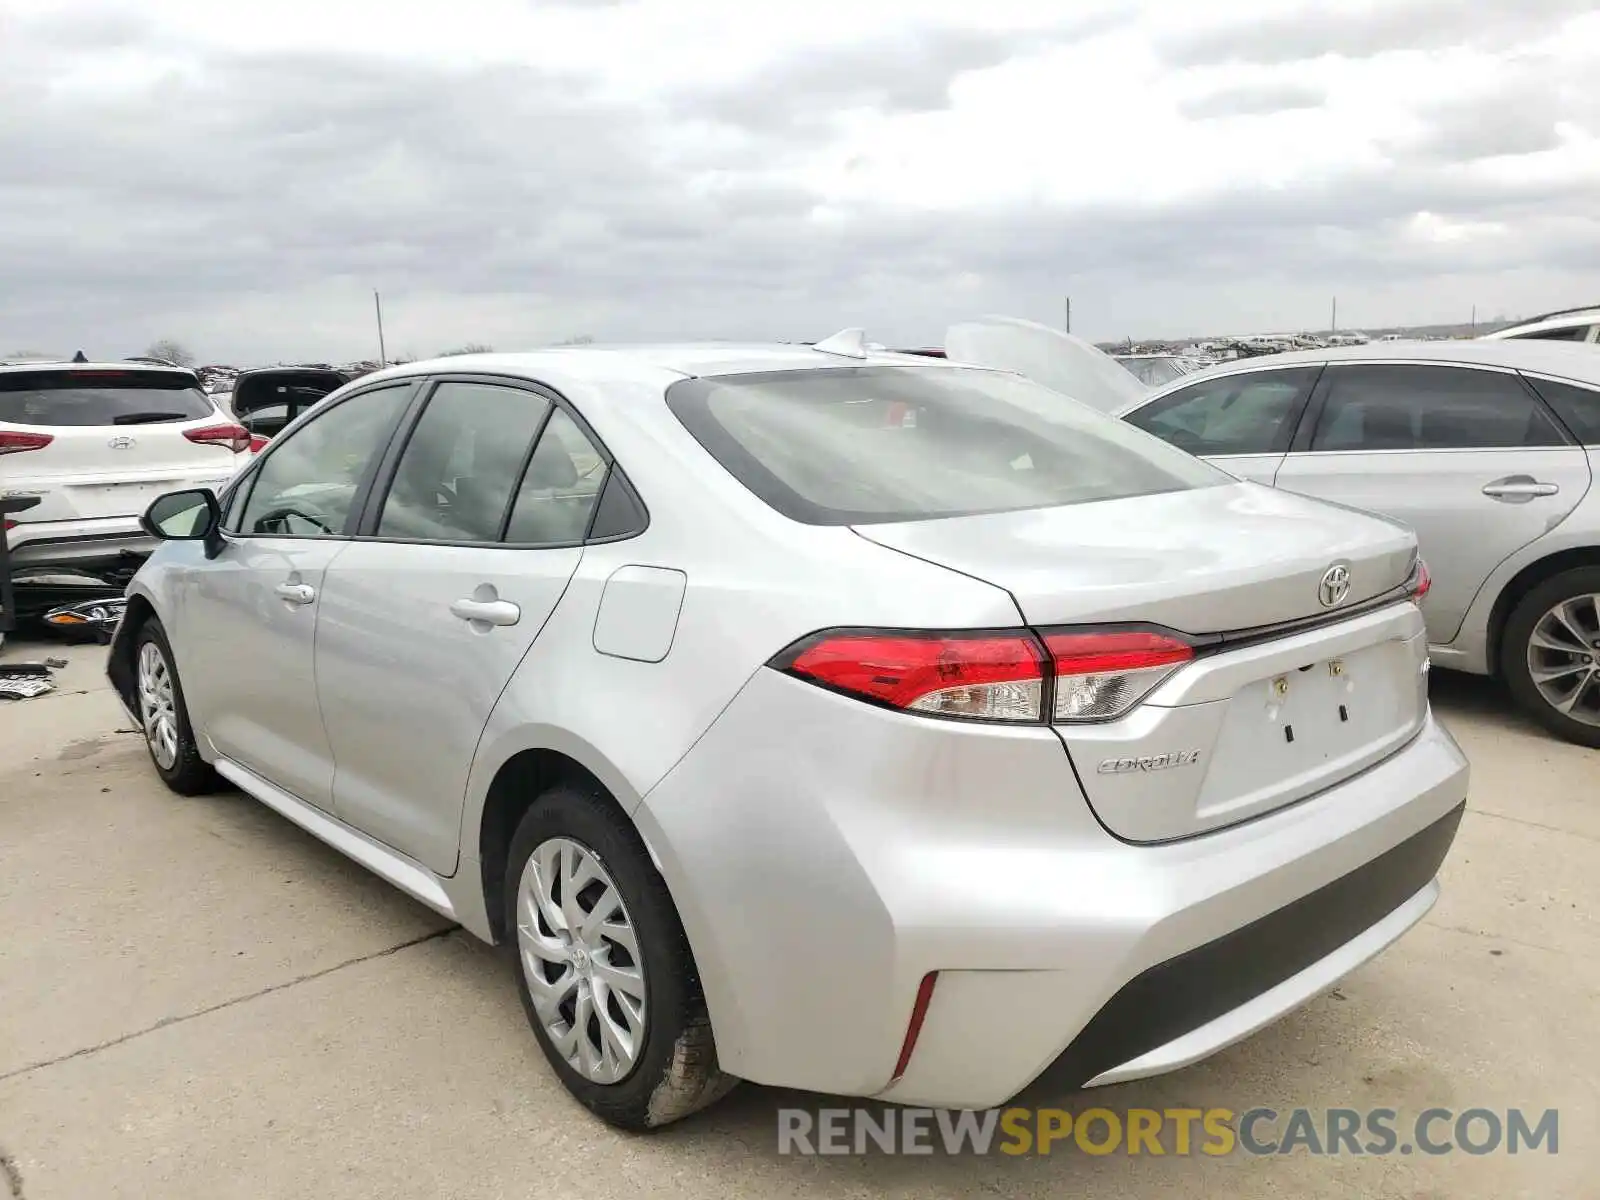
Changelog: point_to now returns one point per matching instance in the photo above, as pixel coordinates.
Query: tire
(177, 761)
(673, 1071)
(1575, 588)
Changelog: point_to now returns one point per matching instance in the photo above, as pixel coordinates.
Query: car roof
(661, 363)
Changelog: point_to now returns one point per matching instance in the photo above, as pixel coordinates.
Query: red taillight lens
(234, 437)
(986, 676)
(257, 443)
(1419, 583)
(1102, 674)
(16, 443)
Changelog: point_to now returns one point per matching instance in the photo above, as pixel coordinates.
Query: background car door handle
(296, 593)
(1519, 487)
(487, 612)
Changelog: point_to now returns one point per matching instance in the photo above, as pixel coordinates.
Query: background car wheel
(1551, 654)
(164, 717)
(603, 966)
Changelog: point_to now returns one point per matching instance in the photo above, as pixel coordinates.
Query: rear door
(463, 557)
(113, 439)
(1467, 456)
(1243, 421)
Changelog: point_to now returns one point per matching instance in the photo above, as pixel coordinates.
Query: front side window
(1428, 408)
(307, 482)
(857, 445)
(461, 463)
(1234, 414)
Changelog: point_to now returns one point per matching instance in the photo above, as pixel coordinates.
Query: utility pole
(383, 353)
(1069, 314)
(1474, 320)
(1333, 317)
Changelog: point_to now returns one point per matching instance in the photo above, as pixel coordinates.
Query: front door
(252, 612)
(1466, 456)
(426, 616)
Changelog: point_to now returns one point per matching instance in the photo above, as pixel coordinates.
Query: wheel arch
(119, 661)
(514, 788)
(1523, 582)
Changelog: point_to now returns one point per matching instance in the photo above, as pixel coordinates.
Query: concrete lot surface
(199, 1000)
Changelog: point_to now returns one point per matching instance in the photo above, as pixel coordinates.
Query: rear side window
(461, 464)
(110, 397)
(560, 489)
(1579, 407)
(1234, 414)
(1428, 408)
(858, 445)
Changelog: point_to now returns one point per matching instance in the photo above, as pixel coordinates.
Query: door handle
(486, 612)
(296, 593)
(1519, 488)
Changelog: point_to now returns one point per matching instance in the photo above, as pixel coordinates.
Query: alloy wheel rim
(580, 956)
(157, 705)
(1564, 658)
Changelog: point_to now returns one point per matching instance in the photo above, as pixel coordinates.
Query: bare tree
(172, 351)
(469, 348)
(583, 339)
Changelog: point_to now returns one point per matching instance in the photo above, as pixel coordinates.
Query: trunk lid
(1286, 695)
(1206, 560)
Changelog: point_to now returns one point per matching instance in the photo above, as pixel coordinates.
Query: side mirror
(190, 516)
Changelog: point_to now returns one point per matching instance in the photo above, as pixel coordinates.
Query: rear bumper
(80, 544)
(826, 856)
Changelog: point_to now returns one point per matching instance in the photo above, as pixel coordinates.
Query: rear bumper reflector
(919, 1013)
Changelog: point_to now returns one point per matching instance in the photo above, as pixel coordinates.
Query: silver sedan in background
(810, 715)
(1488, 449)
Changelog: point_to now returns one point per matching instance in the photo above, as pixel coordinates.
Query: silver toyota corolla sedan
(806, 715)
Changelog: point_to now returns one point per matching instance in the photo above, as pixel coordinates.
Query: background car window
(560, 487)
(1428, 408)
(1235, 414)
(1579, 407)
(101, 397)
(461, 463)
(1573, 333)
(308, 480)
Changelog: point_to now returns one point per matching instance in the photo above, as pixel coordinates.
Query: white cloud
(518, 170)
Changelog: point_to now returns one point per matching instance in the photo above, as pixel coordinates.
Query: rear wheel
(603, 966)
(164, 717)
(1551, 654)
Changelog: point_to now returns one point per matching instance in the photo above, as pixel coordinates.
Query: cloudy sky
(241, 177)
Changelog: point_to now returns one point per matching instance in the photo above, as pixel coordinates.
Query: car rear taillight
(987, 676)
(992, 675)
(234, 437)
(1420, 582)
(12, 442)
(257, 443)
(1101, 674)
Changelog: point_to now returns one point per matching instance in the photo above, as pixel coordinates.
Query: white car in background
(1568, 325)
(94, 443)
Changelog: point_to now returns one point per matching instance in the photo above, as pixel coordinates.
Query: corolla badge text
(1148, 762)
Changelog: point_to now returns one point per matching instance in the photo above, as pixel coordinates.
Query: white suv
(94, 444)
(1569, 325)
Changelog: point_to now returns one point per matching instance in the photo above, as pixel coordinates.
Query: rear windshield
(100, 397)
(860, 445)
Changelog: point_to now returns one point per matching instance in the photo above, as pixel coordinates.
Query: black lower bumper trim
(1180, 995)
